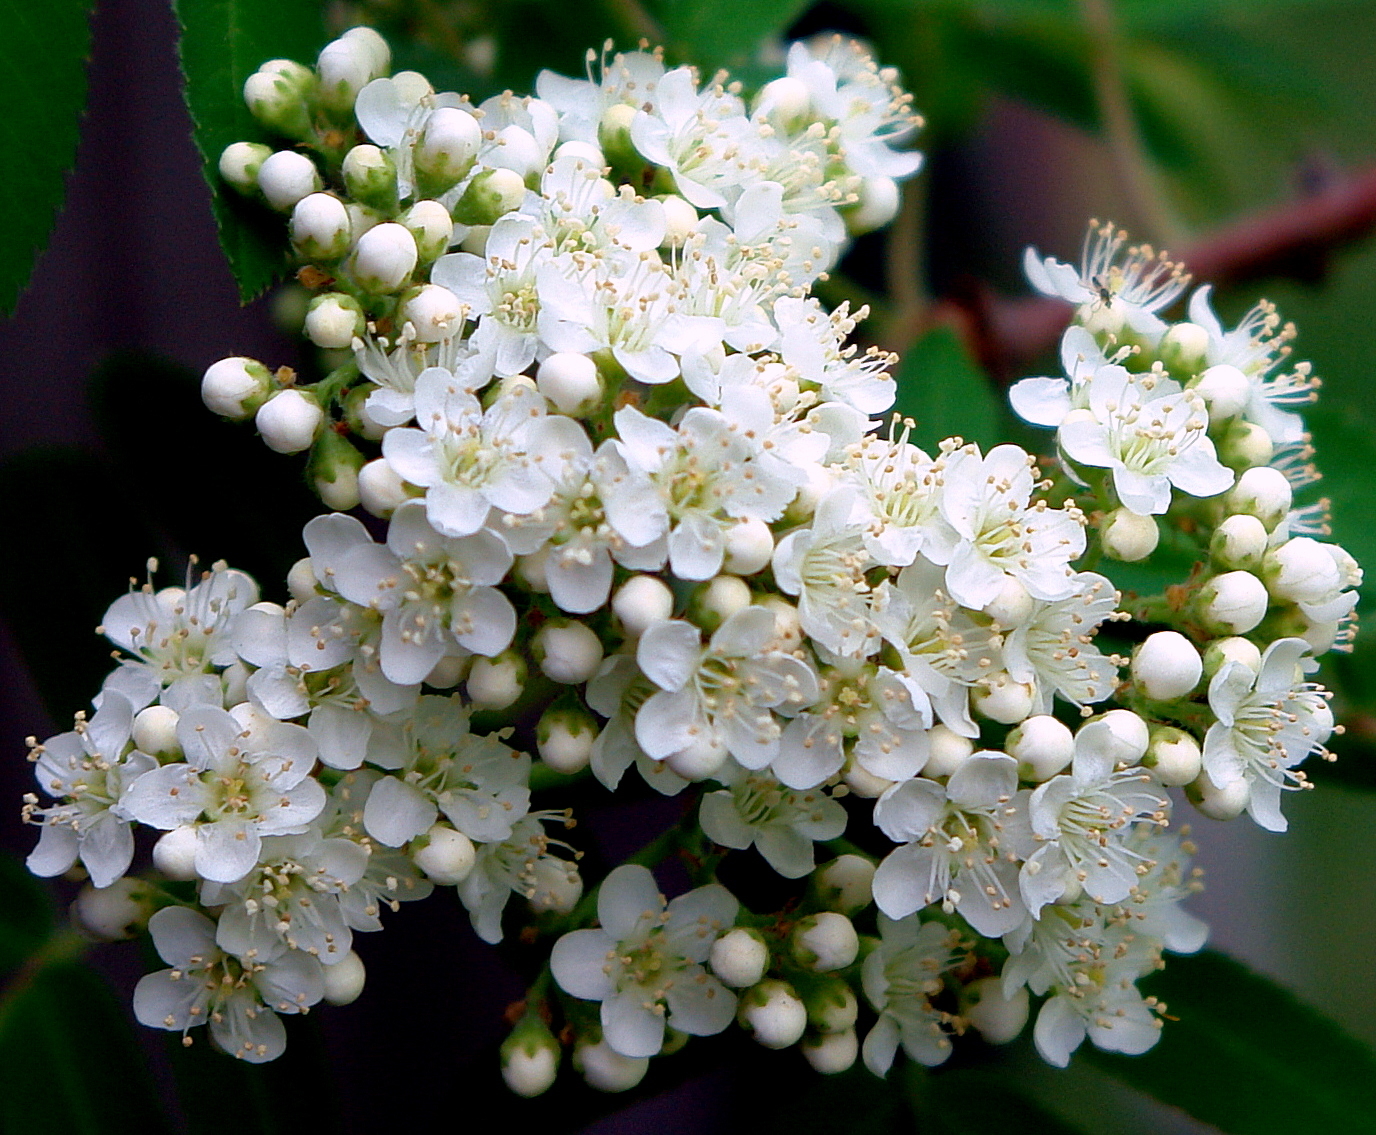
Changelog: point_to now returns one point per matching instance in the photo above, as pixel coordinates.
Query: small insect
(1105, 296)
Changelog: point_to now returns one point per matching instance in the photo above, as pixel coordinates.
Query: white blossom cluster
(633, 503)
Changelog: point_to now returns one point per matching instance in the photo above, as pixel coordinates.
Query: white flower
(89, 770)
(393, 113)
(246, 776)
(1054, 648)
(1047, 401)
(239, 997)
(815, 345)
(518, 864)
(987, 501)
(1268, 722)
(902, 487)
(727, 690)
(782, 824)
(617, 692)
(696, 136)
(645, 963)
(395, 365)
(901, 977)
(629, 80)
(1151, 438)
(961, 847)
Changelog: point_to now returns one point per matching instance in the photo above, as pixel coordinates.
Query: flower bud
(236, 387)
(489, 197)
(1262, 492)
(334, 470)
(285, 177)
(1173, 755)
(446, 856)
(825, 942)
(786, 102)
(1184, 349)
(1301, 571)
(947, 751)
(831, 1053)
(844, 884)
(1232, 603)
(749, 546)
(788, 627)
(344, 979)
(475, 240)
(997, 1018)
(434, 312)
(533, 570)
(1225, 391)
(567, 651)
(641, 601)
(606, 1069)
(739, 957)
(110, 914)
(564, 737)
(155, 731)
(680, 220)
(494, 683)
(175, 854)
(333, 320)
(862, 782)
(1235, 649)
(999, 698)
(432, 227)
(1012, 606)
(1120, 733)
(289, 420)
(586, 151)
(319, 227)
(614, 135)
(831, 1004)
(380, 490)
(1042, 746)
(879, 202)
(773, 1013)
(530, 1057)
(370, 176)
(554, 885)
(700, 759)
(446, 149)
(1239, 542)
(571, 382)
(717, 600)
(348, 64)
(240, 163)
(1167, 666)
(278, 95)
(384, 258)
(234, 681)
(449, 671)
(1244, 445)
(1218, 803)
(1128, 536)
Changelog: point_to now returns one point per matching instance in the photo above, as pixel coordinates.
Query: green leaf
(724, 33)
(1246, 1055)
(43, 50)
(975, 1101)
(28, 912)
(942, 389)
(222, 43)
(69, 1059)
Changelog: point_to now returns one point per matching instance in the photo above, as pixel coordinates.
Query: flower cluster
(633, 503)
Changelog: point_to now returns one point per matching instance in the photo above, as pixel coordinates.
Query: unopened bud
(831, 1004)
(434, 312)
(449, 671)
(240, 163)
(333, 320)
(285, 177)
(1042, 746)
(384, 258)
(530, 1057)
(446, 857)
(344, 980)
(680, 220)
(641, 601)
(880, 199)
(585, 151)
(739, 957)
(348, 64)
(370, 176)
(862, 782)
(429, 222)
(110, 914)
(1244, 445)
(831, 1053)
(606, 1069)
(1173, 755)
(235, 388)
(1167, 666)
(947, 751)
(446, 149)
(1232, 603)
(1183, 350)
(1128, 536)
(289, 421)
(494, 683)
(749, 547)
(1235, 649)
(571, 382)
(1225, 390)
(717, 600)
(155, 731)
(1239, 543)
(997, 1018)
(175, 854)
(1012, 606)
(845, 884)
(999, 698)
(825, 942)
(334, 468)
(380, 489)
(614, 135)
(1301, 571)
(702, 758)
(278, 95)
(490, 196)
(564, 737)
(1262, 492)
(567, 651)
(320, 227)
(773, 1013)
(1219, 803)
(1119, 734)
